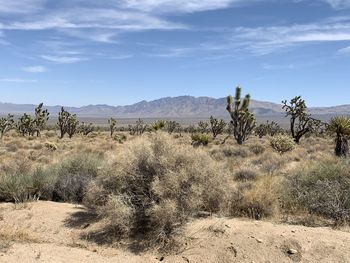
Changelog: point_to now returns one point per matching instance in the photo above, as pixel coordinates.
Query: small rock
(259, 240)
(292, 251)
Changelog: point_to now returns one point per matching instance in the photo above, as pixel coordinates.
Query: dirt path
(52, 232)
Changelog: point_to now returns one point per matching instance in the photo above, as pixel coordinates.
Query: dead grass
(170, 181)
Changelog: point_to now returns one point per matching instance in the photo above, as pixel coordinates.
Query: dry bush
(74, 175)
(323, 189)
(257, 149)
(246, 175)
(258, 200)
(282, 143)
(270, 162)
(161, 185)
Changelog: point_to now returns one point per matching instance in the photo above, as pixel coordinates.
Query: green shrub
(200, 139)
(21, 186)
(121, 138)
(74, 175)
(323, 189)
(50, 146)
(282, 143)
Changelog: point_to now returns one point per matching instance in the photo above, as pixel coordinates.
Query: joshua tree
(217, 126)
(268, 128)
(72, 125)
(203, 127)
(86, 129)
(301, 122)
(139, 128)
(172, 126)
(6, 124)
(25, 125)
(41, 118)
(67, 123)
(340, 126)
(243, 121)
(112, 126)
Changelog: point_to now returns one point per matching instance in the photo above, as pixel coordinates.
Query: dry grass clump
(270, 162)
(323, 189)
(258, 200)
(246, 175)
(257, 149)
(156, 186)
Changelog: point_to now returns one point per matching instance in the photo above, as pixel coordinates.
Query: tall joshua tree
(41, 118)
(6, 124)
(243, 121)
(67, 123)
(112, 126)
(301, 122)
(217, 126)
(340, 126)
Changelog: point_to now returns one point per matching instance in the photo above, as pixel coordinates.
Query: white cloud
(35, 69)
(186, 6)
(62, 59)
(83, 18)
(345, 50)
(263, 40)
(20, 6)
(18, 80)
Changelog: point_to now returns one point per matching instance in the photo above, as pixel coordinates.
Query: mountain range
(170, 107)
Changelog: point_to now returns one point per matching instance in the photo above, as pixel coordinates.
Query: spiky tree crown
(340, 125)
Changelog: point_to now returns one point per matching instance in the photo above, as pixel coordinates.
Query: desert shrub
(246, 175)
(257, 149)
(239, 151)
(270, 162)
(282, 143)
(121, 138)
(50, 134)
(323, 189)
(50, 146)
(200, 139)
(256, 201)
(163, 185)
(74, 175)
(21, 186)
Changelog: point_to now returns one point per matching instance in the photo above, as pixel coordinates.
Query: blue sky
(117, 52)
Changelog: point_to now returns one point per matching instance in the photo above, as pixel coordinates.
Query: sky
(118, 52)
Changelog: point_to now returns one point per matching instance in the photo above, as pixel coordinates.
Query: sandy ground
(53, 232)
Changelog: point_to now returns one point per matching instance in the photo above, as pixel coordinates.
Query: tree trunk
(342, 146)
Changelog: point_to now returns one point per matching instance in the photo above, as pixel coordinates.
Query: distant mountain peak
(169, 107)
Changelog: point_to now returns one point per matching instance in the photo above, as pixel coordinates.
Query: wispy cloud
(264, 40)
(35, 69)
(345, 50)
(18, 80)
(186, 6)
(338, 4)
(21, 7)
(63, 59)
(268, 66)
